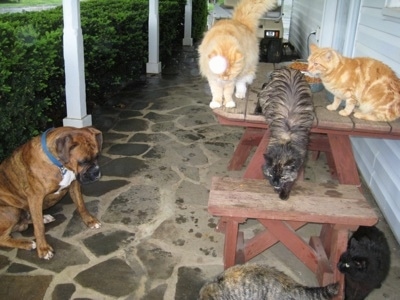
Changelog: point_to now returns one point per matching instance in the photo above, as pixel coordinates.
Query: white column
(154, 64)
(74, 67)
(187, 38)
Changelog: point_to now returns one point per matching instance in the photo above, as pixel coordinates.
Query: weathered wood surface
(308, 202)
(325, 120)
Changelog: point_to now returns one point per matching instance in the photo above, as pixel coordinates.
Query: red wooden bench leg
(324, 272)
(264, 240)
(293, 242)
(253, 169)
(343, 157)
(250, 139)
(233, 243)
(334, 240)
(240, 258)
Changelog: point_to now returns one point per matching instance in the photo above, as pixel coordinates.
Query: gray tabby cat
(261, 282)
(286, 103)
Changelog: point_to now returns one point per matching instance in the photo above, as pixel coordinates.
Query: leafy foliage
(32, 79)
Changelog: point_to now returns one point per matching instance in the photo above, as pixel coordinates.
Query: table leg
(250, 139)
(253, 169)
(342, 153)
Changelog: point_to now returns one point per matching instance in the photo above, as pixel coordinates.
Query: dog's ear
(64, 145)
(99, 137)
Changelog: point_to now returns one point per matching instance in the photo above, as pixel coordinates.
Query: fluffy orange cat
(364, 83)
(229, 52)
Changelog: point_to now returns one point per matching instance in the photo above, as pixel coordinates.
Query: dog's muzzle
(91, 174)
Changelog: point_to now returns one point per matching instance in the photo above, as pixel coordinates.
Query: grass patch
(22, 3)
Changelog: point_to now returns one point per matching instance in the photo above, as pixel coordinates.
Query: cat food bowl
(314, 82)
(316, 87)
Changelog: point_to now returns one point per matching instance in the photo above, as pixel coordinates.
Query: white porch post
(154, 65)
(74, 67)
(187, 38)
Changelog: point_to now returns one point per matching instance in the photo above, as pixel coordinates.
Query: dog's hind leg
(13, 219)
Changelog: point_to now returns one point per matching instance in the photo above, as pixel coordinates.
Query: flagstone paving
(162, 145)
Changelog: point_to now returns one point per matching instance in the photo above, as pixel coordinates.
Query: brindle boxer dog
(38, 174)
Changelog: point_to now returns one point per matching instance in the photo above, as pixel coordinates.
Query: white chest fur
(67, 178)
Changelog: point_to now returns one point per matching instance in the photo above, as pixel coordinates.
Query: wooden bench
(338, 208)
(330, 133)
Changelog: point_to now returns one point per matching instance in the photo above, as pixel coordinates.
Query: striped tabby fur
(368, 86)
(286, 103)
(260, 282)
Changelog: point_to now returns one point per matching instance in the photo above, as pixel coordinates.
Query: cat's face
(354, 262)
(281, 172)
(321, 60)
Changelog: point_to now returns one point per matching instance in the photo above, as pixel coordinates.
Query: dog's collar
(49, 155)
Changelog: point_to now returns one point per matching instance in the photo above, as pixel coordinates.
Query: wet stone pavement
(162, 145)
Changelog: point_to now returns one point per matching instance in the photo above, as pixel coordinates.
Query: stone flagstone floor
(162, 145)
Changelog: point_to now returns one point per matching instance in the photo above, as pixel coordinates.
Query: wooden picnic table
(330, 133)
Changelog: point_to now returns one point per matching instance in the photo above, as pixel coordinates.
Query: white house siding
(367, 32)
(379, 160)
(306, 17)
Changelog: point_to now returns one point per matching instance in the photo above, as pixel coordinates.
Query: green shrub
(200, 13)
(28, 64)
(115, 37)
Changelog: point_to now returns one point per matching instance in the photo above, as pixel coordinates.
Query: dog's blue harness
(54, 160)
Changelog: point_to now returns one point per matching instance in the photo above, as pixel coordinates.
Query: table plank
(309, 202)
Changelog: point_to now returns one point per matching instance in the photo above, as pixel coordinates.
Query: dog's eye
(83, 162)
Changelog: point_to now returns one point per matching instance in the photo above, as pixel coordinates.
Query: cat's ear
(329, 55)
(353, 243)
(268, 159)
(212, 54)
(238, 56)
(313, 47)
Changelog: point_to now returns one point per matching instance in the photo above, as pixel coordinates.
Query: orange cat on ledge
(368, 86)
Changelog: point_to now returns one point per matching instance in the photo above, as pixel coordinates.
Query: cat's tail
(326, 292)
(248, 12)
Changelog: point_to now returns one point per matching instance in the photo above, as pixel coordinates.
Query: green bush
(200, 13)
(32, 79)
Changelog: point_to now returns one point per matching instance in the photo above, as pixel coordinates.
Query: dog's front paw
(48, 255)
(91, 221)
(48, 219)
(45, 252)
(230, 104)
(214, 104)
(96, 225)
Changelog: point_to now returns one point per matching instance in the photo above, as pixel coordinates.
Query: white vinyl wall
(368, 29)
(378, 36)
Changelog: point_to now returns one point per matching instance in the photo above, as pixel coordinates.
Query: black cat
(366, 262)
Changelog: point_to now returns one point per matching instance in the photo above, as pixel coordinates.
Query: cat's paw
(344, 113)
(214, 104)
(230, 104)
(330, 107)
(240, 95)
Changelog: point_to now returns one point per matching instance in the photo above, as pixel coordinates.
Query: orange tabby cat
(362, 82)
(229, 52)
